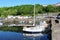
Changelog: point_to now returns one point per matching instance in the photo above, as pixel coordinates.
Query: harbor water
(7, 35)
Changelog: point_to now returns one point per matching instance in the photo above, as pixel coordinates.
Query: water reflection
(39, 36)
(19, 36)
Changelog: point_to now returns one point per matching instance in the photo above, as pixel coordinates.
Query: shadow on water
(50, 31)
(41, 36)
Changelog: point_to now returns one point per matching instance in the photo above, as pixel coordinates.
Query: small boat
(37, 29)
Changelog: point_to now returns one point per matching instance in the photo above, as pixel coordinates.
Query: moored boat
(37, 29)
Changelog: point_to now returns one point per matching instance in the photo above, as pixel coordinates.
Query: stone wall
(55, 30)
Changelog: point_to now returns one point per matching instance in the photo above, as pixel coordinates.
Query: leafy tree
(39, 8)
(50, 8)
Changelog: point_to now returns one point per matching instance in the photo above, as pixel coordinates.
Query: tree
(50, 8)
(39, 8)
(58, 8)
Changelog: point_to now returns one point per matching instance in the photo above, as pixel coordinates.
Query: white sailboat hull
(34, 29)
(38, 28)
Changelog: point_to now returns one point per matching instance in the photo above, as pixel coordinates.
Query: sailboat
(37, 28)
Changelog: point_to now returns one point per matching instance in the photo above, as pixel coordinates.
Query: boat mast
(34, 14)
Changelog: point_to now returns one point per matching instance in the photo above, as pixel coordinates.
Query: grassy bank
(12, 28)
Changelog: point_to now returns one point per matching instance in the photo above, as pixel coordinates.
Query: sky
(8, 3)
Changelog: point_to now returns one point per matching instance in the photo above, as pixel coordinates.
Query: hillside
(28, 10)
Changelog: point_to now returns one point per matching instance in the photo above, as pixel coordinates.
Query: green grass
(16, 29)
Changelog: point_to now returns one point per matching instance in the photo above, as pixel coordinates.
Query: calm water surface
(6, 35)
